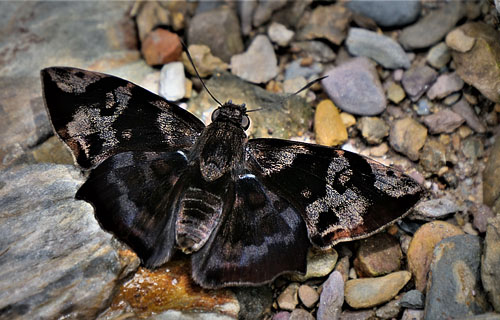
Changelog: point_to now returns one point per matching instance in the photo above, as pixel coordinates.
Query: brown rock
(422, 246)
(491, 178)
(343, 267)
(171, 287)
(205, 62)
(288, 299)
(160, 47)
(433, 155)
(395, 93)
(459, 41)
(328, 126)
(378, 255)
(308, 295)
(53, 151)
(151, 14)
(373, 129)
(300, 314)
(327, 22)
(408, 137)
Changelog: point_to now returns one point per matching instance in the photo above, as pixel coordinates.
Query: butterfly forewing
(99, 115)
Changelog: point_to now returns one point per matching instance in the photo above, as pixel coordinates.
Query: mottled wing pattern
(342, 195)
(261, 235)
(132, 196)
(99, 115)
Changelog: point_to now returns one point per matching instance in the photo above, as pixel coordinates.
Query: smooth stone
(422, 245)
(329, 129)
(301, 314)
(206, 63)
(480, 66)
(491, 178)
(395, 93)
(319, 264)
(382, 49)
(439, 208)
(151, 15)
(245, 12)
(388, 13)
(282, 315)
(255, 302)
(279, 34)
(288, 299)
(180, 315)
(370, 292)
(424, 107)
(54, 253)
(439, 55)
(412, 299)
(452, 99)
(417, 80)
(459, 41)
(357, 315)
(373, 129)
(380, 150)
(279, 117)
(389, 311)
(160, 47)
(443, 121)
(308, 295)
(355, 87)
(408, 137)
(317, 50)
(463, 108)
(295, 69)
(347, 119)
(490, 264)
(265, 9)
(481, 213)
(433, 158)
(171, 286)
(326, 22)
(454, 285)
(172, 81)
(445, 85)
(332, 297)
(258, 64)
(432, 28)
(378, 255)
(218, 29)
(412, 314)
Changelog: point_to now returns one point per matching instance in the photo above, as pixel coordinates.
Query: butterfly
(246, 210)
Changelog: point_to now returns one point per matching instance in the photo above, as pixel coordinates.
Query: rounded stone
(328, 126)
(319, 264)
(258, 64)
(373, 129)
(459, 41)
(308, 295)
(172, 81)
(332, 297)
(378, 255)
(288, 299)
(408, 137)
(422, 246)
(161, 46)
(370, 292)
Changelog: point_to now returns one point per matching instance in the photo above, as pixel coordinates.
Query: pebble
(481, 213)
(439, 55)
(417, 80)
(332, 297)
(301, 314)
(432, 28)
(206, 63)
(443, 121)
(484, 55)
(279, 34)
(445, 85)
(343, 267)
(255, 302)
(151, 15)
(388, 13)
(317, 50)
(265, 9)
(380, 150)
(411, 314)
(373, 129)
(319, 264)
(354, 87)
(408, 137)
(172, 81)
(439, 208)
(395, 93)
(454, 285)
(389, 311)
(296, 69)
(472, 147)
(160, 47)
(412, 299)
(294, 85)
(382, 49)
(370, 292)
(432, 158)
(288, 299)
(328, 126)
(490, 267)
(282, 315)
(463, 108)
(491, 178)
(378, 255)
(218, 29)
(258, 64)
(357, 315)
(459, 41)
(424, 107)
(308, 296)
(422, 245)
(326, 22)
(452, 98)
(347, 119)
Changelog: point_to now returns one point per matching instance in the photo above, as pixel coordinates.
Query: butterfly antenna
(196, 71)
(309, 85)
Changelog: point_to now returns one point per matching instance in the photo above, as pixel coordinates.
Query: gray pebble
(412, 299)
(388, 13)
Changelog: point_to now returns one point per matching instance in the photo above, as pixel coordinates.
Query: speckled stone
(408, 137)
(332, 297)
(490, 266)
(373, 129)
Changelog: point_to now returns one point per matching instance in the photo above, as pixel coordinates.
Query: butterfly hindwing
(261, 235)
(342, 195)
(99, 115)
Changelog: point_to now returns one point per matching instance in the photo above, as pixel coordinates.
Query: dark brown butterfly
(246, 210)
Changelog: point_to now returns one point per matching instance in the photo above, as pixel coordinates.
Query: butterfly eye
(215, 114)
(245, 122)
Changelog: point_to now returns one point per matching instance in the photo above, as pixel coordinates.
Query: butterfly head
(231, 112)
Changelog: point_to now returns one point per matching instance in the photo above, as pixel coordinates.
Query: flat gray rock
(388, 13)
(490, 264)
(55, 260)
(258, 64)
(384, 50)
